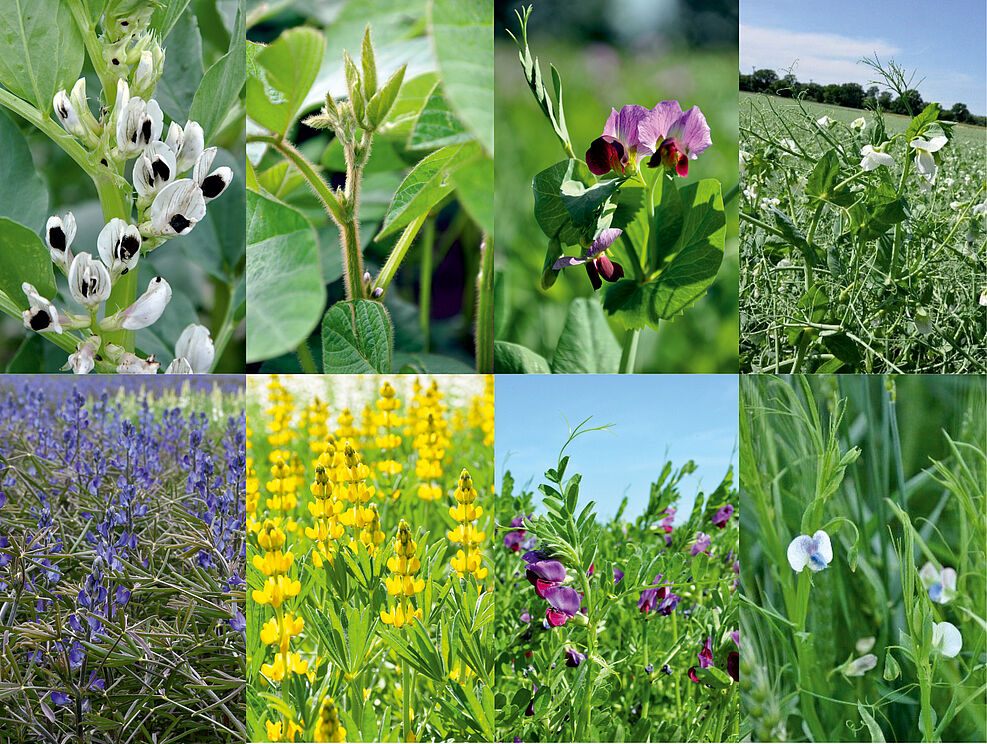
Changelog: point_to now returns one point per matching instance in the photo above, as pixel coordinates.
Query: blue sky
(686, 416)
(942, 41)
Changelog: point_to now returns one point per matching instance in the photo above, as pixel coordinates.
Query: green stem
(116, 203)
(425, 284)
(629, 351)
(485, 308)
(69, 145)
(675, 641)
(406, 696)
(398, 253)
(95, 51)
(322, 190)
(306, 359)
(647, 694)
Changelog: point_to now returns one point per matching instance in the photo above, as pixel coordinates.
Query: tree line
(851, 95)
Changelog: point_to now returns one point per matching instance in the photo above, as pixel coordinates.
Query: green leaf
(587, 345)
(843, 348)
(584, 203)
(814, 305)
(41, 49)
(425, 186)
(222, 83)
(474, 188)
(379, 106)
(436, 125)
(516, 359)
(280, 77)
(166, 17)
(823, 176)
(794, 236)
(550, 209)
(922, 120)
(182, 70)
(23, 258)
(668, 221)
(356, 337)
(422, 363)
(462, 34)
(285, 293)
(24, 198)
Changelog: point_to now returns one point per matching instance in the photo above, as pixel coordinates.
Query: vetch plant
(399, 156)
(149, 164)
(656, 245)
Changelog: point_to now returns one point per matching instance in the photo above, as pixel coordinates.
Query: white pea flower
(212, 184)
(874, 159)
(941, 585)
(859, 667)
(816, 552)
(923, 323)
(131, 364)
(179, 366)
(865, 644)
(177, 208)
(59, 234)
(788, 143)
(858, 124)
(946, 639)
(983, 298)
(144, 311)
(825, 121)
(89, 281)
(744, 157)
(925, 162)
(42, 315)
(187, 144)
(154, 169)
(82, 361)
(139, 123)
(119, 246)
(195, 346)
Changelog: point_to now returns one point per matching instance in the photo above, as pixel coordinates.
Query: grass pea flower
(941, 585)
(946, 639)
(816, 552)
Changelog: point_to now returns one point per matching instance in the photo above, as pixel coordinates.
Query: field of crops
(121, 561)
(370, 609)
(616, 630)
(862, 510)
(862, 240)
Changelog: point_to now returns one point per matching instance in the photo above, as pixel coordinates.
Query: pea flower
(816, 552)
(860, 666)
(59, 234)
(701, 545)
(89, 281)
(618, 146)
(925, 162)
(873, 158)
(946, 639)
(564, 601)
(941, 585)
(858, 124)
(573, 658)
(598, 264)
(686, 139)
(723, 515)
(825, 121)
(544, 575)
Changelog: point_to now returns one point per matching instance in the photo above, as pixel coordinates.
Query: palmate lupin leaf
(532, 73)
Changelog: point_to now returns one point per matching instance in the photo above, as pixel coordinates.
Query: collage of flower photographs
(389, 371)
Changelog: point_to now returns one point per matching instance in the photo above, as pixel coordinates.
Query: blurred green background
(610, 53)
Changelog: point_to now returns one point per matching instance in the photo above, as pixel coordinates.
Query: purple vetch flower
(238, 622)
(564, 601)
(666, 522)
(573, 658)
(513, 540)
(686, 138)
(733, 665)
(598, 264)
(530, 710)
(666, 669)
(723, 515)
(735, 635)
(617, 575)
(705, 655)
(533, 556)
(701, 545)
(649, 597)
(649, 668)
(544, 574)
(668, 602)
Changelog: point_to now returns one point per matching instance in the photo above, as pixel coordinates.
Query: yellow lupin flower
(271, 536)
(468, 559)
(371, 535)
(328, 728)
(276, 589)
(272, 633)
(273, 562)
(277, 672)
(402, 584)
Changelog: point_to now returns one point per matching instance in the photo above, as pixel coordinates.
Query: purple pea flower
(598, 264)
(666, 522)
(706, 654)
(123, 596)
(617, 575)
(668, 603)
(564, 601)
(525, 616)
(238, 622)
(701, 545)
(649, 668)
(723, 515)
(513, 540)
(573, 658)
(649, 597)
(631, 132)
(544, 575)
(735, 635)
(685, 140)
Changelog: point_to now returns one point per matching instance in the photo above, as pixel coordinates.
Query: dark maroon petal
(563, 598)
(606, 154)
(555, 618)
(692, 674)
(594, 274)
(573, 658)
(733, 665)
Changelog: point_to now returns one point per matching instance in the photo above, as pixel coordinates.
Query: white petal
(157, 120)
(936, 144)
(858, 667)
(798, 552)
(177, 208)
(949, 579)
(147, 308)
(191, 147)
(154, 169)
(196, 346)
(925, 163)
(823, 546)
(203, 164)
(175, 137)
(89, 281)
(179, 366)
(61, 239)
(119, 246)
(928, 575)
(946, 637)
(131, 364)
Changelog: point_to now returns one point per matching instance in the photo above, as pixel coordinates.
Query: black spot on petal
(213, 186)
(56, 238)
(40, 320)
(115, 61)
(146, 130)
(179, 223)
(160, 169)
(129, 247)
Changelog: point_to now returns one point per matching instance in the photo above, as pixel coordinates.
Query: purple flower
(564, 601)
(123, 596)
(573, 658)
(544, 574)
(76, 656)
(666, 522)
(685, 140)
(668, 603)
(598, 264)
(238, 622)
(525, 616)
(701, 545)
(706, 654)
(617, 575)
(733, 665)
(735, 634)
(649, 668)
(649, 597)
(628, 133)
(59, 698)
(530, 710)
(723, 515)
(513, 540)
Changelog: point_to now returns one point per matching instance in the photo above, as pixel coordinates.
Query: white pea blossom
(41, 315)
(59, 234)
(925, 162)
(825, 121)
(195, 346)
(816, 552)
(874, 159)
(859, 667)
(177, 208)
(119, 246)
(858, 124)
(946, 639)
(89, 281)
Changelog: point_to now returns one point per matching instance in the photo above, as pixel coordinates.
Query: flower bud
(119, 246)
(144, 311)
(196, 347)
(67, 115)
(179, 366)
(82, 361)
(89, 281)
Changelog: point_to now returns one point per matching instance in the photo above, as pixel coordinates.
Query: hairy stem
(306, 359)
(425, 284)
(485, 308)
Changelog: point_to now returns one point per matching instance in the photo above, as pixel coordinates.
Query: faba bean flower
(946, 639)
(194, 350)
(59, 234)
(816, 552)
(941, 585)
(598, 264)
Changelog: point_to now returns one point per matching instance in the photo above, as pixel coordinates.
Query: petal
(624, 124)
(946, 637)
(563, 598)
(823, 545)
(568, 261)
(196, 346)
(798, 552)
(656, 125)
(928, 575)
(602, 241)
(177, 208)
(692, 132)
(147, 308)
(936, 144)
(949, 579)
(605, 154)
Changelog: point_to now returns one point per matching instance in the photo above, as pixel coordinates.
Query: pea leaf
(285, 292)
(23, 258)
(668, 221)
(425, 186)
(823, 176)
(462, 33)
(41, 50)
(587, 345)
(281, 75)
(222, 83)
(516, 359)
(356, 337)
(24, 198)
(550, 208)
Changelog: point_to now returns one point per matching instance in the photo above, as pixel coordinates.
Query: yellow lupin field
(367, 538)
